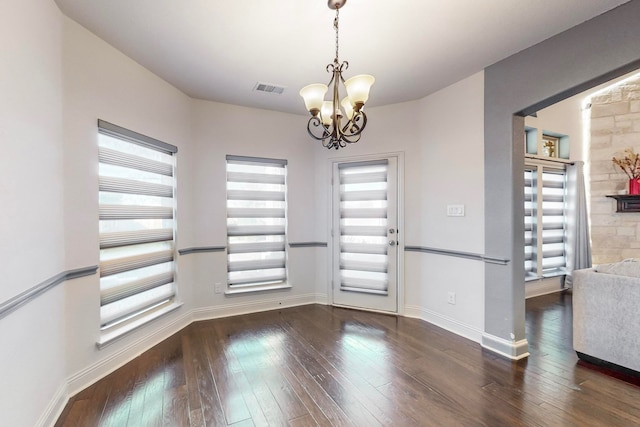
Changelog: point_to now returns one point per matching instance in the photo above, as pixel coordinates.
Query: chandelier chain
(335, 26)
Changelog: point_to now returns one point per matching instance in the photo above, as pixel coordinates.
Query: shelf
(626, 202)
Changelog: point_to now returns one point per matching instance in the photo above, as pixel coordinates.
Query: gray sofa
(606, 315)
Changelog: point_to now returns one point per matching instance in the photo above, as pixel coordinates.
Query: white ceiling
(218, 50)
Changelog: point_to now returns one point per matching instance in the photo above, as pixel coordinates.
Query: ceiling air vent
(268, 87)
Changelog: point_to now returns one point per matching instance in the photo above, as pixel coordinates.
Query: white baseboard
(467, 331)
(514, 350)
(88, 376)
(105, 366)
(239, 308)
(55, 407)
(322, 299)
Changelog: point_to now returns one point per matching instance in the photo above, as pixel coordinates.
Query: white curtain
(578, 241)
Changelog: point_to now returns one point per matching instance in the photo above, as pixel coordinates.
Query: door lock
(391, 231)
(392, 242)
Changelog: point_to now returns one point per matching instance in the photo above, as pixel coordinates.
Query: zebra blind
(545, 222)
(529, 220)
(553, 221)
(137, 224)
(363, 227)
(256, 221)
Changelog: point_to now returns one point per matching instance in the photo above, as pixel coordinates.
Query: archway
(578, 59)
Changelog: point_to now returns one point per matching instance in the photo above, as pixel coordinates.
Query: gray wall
(571, 62)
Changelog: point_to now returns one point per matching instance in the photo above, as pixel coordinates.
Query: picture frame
(550, 146)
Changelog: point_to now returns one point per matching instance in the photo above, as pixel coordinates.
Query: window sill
(545, 276)
(109, 337)
(253, 289)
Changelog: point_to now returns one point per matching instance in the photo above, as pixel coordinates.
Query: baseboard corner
(514, 350)
(55, 407)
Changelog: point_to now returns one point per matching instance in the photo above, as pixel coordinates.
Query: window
(137, 227)
(545, 221)
(256, 222)
(364, 258)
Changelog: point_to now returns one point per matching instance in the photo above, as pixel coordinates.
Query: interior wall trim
(308, 245)
(201, 249)
(34, 292)
(447, 323)
(514, 350)
(458, 254)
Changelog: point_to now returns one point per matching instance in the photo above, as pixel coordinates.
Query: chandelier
(327, 119)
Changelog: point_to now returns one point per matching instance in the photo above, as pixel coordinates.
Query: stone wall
(615, 125)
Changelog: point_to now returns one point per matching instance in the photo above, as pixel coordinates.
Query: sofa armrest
(606, 317)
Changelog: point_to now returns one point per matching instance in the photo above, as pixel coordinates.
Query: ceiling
(218, 50)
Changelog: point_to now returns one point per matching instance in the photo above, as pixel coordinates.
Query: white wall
(100, 82)
(62, 79)
(442, 140)
(31, 225)
(221, 129)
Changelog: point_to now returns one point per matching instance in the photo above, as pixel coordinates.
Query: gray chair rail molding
(201, 249)
(34, 292)
(308, 245)
(467, 255)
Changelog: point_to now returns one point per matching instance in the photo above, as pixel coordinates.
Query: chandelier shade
(358, 88)
(313, 96)
(326, 123)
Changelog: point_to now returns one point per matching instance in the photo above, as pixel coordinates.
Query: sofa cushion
(629, 267)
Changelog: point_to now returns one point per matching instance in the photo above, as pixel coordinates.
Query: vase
(634, 186)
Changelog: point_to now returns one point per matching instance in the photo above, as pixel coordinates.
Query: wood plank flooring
(317, 365)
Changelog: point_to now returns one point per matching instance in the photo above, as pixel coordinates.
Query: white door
(365, 234)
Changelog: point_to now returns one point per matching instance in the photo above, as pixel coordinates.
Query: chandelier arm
(353, 128)
(351, 138)
(335, 114)
(344, 66)
(317, 123)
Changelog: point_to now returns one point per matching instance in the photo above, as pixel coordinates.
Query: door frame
(399, 155)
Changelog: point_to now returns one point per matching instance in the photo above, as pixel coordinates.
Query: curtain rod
(550, 159)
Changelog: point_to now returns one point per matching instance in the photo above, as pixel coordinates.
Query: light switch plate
(455, 210)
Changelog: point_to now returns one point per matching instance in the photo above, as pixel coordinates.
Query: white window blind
(530, 214)
(137, 225)
(545, 222)
(256, 221)
(363, 227)
(553, 221)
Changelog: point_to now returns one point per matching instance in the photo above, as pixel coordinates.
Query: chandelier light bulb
(327, 113)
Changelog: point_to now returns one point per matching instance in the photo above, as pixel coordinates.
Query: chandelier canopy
(327, 122)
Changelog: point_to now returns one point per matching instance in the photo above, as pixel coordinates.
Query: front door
(365, 234)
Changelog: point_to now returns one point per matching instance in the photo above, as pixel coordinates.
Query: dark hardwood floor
(318, 365)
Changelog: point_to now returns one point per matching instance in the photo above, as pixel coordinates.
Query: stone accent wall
(615, 125)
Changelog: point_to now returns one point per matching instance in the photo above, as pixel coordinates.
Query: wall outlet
(455, 210)
(218, 288)
(451, 297)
